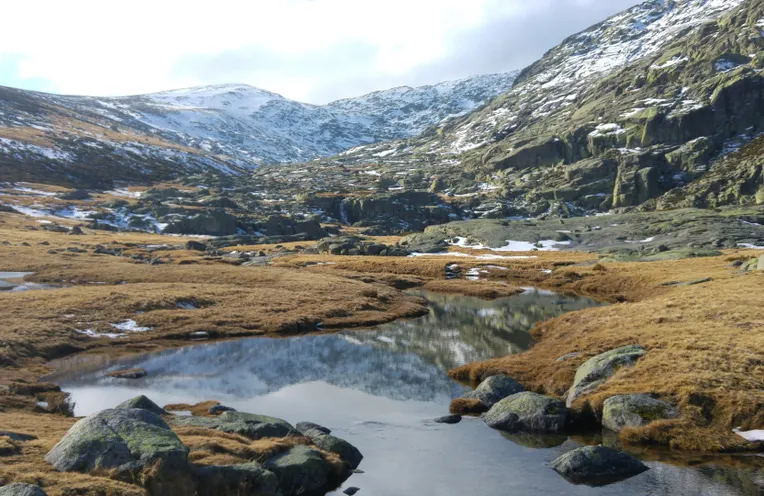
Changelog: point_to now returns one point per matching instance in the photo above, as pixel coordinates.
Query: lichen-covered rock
(346, 451)
(245, 424)
(597, 466)
(249, 479)
(302, 471)
(303, 427)
(634, 410)
(598, 369)
(494, 389)
(142, 403)
(131, 442)
(527, 411)
(21, 489)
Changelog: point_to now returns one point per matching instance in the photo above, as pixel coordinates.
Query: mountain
(647, 102)
(226, 128)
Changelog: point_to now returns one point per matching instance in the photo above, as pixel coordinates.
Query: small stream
(380, 390)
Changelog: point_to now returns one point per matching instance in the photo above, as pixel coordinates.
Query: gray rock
(195, 246)
(493, 389)
(529, 412)
(129, 442)
(234, 480)
(128, 374)
(597, 466)
(245, 424)
(143, 403)
(21, 489)
(351, 490)
(634, 410)
(568, 356)
(17, 436)
(220, 409)
(301, 470)
(598, 369)
(310, 426)
(449, 419)
(346, 451)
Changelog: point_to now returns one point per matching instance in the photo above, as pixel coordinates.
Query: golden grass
(197, 410)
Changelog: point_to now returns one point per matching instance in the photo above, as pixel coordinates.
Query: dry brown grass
(488, 290)
(705, 347)
(197, 410)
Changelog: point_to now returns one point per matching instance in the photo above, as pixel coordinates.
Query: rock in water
(351, 491)
(143, 403)
(599, 368)
(527, 412)
(235, 480)
(634, 410)
(214, 410)
(310, 426)
(449, 419)
(346, 451)
(301, 471)
(128, 374)
(133, 443)
(597, 466)
(21, 489)
(494, 389)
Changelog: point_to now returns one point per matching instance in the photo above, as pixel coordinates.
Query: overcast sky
(309, 50)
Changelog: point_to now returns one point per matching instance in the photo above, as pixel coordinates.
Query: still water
(380, 390)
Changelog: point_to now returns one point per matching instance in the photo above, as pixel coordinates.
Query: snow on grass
(544, 245)
(607, 129)
(455, 254)
(750, 246)
(752, 436)
(646, 240)
(93, 334)
(124, 193)
(676, 60)
(130, 325)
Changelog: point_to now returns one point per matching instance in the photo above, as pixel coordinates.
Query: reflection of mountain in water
(404, 361)
(460, 329)
(257, 366)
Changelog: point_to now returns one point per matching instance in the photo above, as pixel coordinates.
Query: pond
(380, 389)
(14, 281)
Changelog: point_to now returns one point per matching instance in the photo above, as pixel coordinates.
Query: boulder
(214, 410)
(448, 419)
(195, 246)
(245, 424)
(494, 389)
(132, 443)
(21, 489)
(598, 369)
(301, 470)
(351, 491)
(634, 410)
(213, 223)
(597, 466)
(529, 412)
(235, 480)
(142, 403)
(346, 451)
(310, 426)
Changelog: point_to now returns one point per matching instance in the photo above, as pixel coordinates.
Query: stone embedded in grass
(597, 466)
(598, 369)
(493, 389)
(21, 489)
(132, 442)
(634, 410)
(235, 480)
(17, 436)
(245, 424)
(143, 403)
(527, 412)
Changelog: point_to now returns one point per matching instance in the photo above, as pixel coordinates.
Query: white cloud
(112, 48)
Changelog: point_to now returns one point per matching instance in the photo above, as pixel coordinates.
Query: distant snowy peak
(235, 98)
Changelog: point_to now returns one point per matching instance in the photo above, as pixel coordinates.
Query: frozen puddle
(14, 282)
(125, 327)
(476, 257)
(543, 245)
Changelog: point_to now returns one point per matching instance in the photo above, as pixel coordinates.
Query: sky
(314, 51)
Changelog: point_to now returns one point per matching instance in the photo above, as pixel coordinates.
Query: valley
(556, 269)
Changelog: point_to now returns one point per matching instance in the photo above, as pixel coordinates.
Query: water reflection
(380, 388)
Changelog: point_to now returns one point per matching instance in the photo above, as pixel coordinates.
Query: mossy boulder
(598, 369)
(235, 480)
(527, 411)
(494, 389)
(634, 410)
(597, 466)
(21, 489)
(303, 471)
(131, 442)
(245, 424)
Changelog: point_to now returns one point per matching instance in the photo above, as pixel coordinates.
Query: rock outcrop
(598, 369)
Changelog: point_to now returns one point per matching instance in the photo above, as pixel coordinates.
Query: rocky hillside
(224, 128)
(653, 100)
